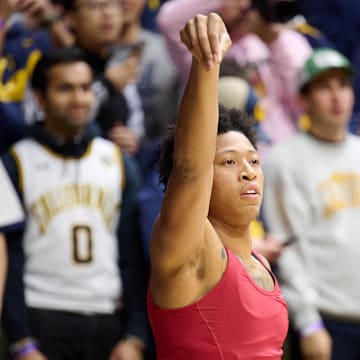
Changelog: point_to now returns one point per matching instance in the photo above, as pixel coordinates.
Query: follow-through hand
(206, 38)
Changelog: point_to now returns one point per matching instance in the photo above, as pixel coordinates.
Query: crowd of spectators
(138, 69)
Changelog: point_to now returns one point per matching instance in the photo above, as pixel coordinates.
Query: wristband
(26, 349)
(312, 328)
(23, 347)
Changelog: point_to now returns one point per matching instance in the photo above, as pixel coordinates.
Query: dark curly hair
(51, 58)
(229, 120)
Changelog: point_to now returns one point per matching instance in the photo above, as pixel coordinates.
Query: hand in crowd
(206, 38)
(40, 9)
(35, 355)
(127, 350)
(125, 138)
(316, 346)
(269, 246)
(124, 73)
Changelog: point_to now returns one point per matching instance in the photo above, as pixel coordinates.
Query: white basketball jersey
(10, 207)
(70, 242)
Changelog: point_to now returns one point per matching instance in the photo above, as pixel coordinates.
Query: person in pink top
(210, 295)
(271, 55)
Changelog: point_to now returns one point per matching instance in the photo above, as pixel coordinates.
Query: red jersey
(237, 319)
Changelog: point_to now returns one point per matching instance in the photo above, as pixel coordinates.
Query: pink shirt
(235, 320)
(272, 69)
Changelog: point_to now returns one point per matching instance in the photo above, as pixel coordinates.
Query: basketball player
(72, 302)
(206, 282)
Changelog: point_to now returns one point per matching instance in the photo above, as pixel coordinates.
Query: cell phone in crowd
(122, 52)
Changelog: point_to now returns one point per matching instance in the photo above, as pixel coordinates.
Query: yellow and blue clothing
(22, 49)
(148, 17)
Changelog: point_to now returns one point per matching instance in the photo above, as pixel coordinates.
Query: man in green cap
(312, 203)
(321, 61)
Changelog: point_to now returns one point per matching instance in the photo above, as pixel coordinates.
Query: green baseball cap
(321, 60)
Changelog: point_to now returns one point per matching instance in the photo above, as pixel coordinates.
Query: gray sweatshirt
(312, 197)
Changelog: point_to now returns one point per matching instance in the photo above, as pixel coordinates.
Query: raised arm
(179, 232)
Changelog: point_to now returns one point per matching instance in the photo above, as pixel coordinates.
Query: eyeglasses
(93, 5)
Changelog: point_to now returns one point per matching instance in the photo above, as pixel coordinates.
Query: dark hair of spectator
(276, 11)
(52, 58)
(229, 120)
(67, 4)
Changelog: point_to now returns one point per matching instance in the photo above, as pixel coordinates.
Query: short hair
(52, 58)
(229, 120)
(68, 5)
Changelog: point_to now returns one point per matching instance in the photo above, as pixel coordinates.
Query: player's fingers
(189, 38)
(218, 37)
(214, 33)
(203, 40)
(188, 34)
(224, 45)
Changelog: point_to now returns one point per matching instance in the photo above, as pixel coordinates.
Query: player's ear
(40, 98)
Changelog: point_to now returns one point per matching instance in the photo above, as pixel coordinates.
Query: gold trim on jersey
(120, 158)
(16, 157)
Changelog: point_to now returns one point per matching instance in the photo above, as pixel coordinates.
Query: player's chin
(252, 210)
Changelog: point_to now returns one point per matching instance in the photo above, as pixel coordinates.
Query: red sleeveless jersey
(236, 320)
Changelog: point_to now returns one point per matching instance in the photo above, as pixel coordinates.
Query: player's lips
(251, 191)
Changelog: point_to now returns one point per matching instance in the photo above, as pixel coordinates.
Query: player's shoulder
(108, 152)
(100, 144)
(23, 144)
(100, 141)
(22, 149)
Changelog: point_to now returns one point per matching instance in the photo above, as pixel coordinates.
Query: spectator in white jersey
(312, 202)
(66, 297)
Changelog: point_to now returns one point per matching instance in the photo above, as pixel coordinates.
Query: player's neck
(237, 239)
